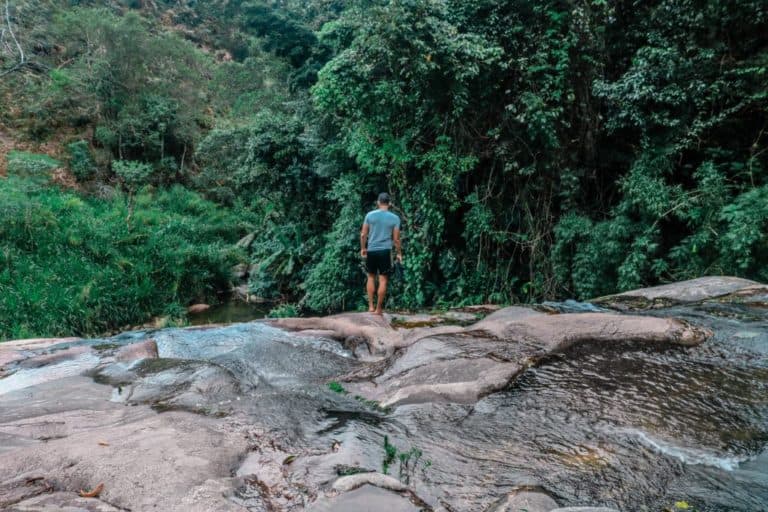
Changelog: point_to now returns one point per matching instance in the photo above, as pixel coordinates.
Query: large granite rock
(693, 290)
(537, 501)
(525, 501)
(451, 363)
(69, 436)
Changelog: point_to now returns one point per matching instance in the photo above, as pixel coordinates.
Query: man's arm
(364, 240)
(396, 240)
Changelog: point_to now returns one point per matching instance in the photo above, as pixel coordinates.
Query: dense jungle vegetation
(534, 149)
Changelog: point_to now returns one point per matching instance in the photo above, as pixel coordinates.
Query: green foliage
(408, 461)
(31, 165)
(283, 311)
(81, 161)
(390, 453)
(73, 265)
(335, 281)
(267, 160)
(533, 149)
(336, 387)
(134, 174)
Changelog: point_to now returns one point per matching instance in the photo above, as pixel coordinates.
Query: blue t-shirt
(380, 226)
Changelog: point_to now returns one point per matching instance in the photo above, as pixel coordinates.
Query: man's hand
(400, 259)
(363, 252)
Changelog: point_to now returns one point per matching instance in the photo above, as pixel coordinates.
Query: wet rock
(17, 350)
(694, 290)
(525, 501)
(242, 292)
(54, 357)
(410, 321)
(481, 309)
(377, 330)
(170, 461)
(317, 333)
(496, 323)
(584, 509)
(557, 332)
(451, 367)
(23, 487)
(458, 381)
(365, 499)
(195, 309)
(350, 482)
(461, 317)
(144, 350)
(463, 364)
(177, 384)
(536, 501)
(64, 501)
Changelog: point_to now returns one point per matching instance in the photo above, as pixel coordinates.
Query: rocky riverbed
(631, 402)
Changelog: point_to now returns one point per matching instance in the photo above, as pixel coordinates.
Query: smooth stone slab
(367, 498)
(584, 509)
(693, 290)
(525, 501)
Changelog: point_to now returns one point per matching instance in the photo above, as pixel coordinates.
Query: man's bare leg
(382, 292)
(371, 288)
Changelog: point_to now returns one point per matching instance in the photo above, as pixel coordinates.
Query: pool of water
(230, 312)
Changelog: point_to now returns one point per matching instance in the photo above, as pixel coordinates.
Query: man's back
(381, 223)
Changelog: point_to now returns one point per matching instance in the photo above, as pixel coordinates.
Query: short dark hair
(384, 198)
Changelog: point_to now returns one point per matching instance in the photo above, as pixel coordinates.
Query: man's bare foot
(371, 309)
(379, 312)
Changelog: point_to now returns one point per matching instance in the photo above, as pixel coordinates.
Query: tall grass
(71, 265)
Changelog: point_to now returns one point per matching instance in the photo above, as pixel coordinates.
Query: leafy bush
(73, 265)
(31, 165)
(81, 161)
(134, 174)
(284, 311)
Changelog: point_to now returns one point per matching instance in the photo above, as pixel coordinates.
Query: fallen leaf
(103, 443)
(92, 494)
(335, 446)
(289, 459)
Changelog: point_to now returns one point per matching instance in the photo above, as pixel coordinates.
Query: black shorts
(379, 262)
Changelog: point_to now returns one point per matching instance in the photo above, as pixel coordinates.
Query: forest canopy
(533, 149)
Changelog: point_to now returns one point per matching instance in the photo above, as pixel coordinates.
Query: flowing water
(633, 427)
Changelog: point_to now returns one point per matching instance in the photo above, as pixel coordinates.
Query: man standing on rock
(381, 230)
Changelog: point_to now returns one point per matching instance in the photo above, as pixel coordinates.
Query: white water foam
(687, 455)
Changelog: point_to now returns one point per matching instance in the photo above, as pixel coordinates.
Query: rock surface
(536, 501)
(367, 498)
(61, 431)
(451, 363)
(145, 460)
(195, 309)
(525, 501)
(693, 290)
(351, 482)
(514, 324)
(143, 350)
